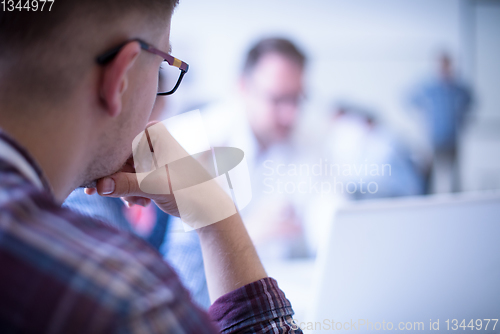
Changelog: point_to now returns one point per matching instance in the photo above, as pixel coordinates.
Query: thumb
(119, 185)
(126, 185)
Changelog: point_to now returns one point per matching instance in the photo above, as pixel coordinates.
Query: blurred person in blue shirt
(372, 162)
(444, 103)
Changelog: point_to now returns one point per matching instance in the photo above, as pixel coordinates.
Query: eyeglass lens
(167, 77)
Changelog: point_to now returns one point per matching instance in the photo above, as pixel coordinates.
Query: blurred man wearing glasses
(261, 121)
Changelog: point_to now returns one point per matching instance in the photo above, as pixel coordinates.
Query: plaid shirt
(61, 272)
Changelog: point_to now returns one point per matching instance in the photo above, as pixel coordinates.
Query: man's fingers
(131, 200)
(125, 185)
(120, 185)
(90, 191)
(151, 123)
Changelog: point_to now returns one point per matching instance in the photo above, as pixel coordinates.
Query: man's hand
(229, 256)
(124, 184)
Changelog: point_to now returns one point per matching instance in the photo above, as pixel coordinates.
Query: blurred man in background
(444, 103)
(261, 121)
(272, 89)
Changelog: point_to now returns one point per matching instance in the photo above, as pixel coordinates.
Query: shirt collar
(16, 155)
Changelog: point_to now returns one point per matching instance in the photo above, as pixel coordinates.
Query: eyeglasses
(169, 77)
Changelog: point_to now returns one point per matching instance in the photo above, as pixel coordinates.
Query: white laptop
(408, 263)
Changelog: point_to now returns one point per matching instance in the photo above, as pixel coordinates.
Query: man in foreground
(71, 103)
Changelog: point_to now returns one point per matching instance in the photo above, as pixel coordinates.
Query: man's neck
(53, 145)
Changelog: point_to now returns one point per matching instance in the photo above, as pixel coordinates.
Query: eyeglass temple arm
(108, 56)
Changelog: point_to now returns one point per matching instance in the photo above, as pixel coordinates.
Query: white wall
(480, 159)
(487, 59)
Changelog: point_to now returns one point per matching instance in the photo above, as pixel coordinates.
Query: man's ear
(115, 78)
